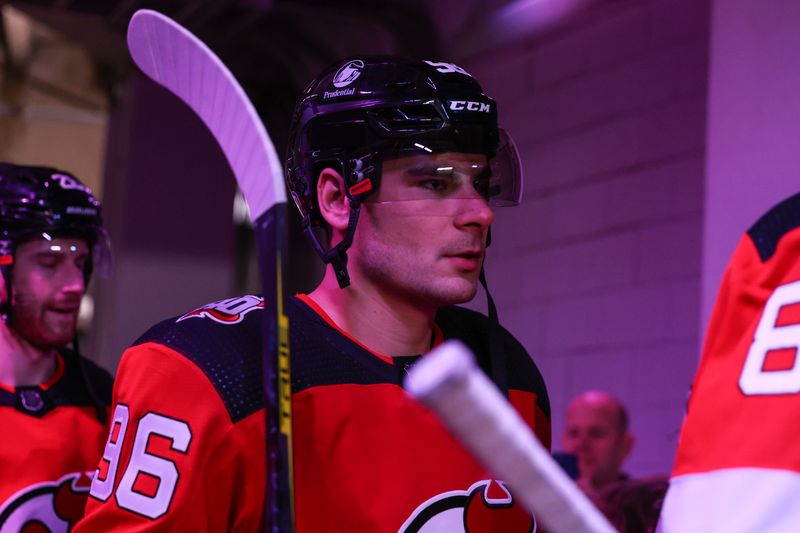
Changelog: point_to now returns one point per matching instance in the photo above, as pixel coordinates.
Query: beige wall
(51, 112)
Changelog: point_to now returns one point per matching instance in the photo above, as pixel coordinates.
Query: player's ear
(333, 203)
(628, 441)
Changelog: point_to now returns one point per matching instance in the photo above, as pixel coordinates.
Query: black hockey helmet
(363, 110)
(42, 202)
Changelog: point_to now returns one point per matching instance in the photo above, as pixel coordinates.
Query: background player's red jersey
(186, 450)
(51, 442)
(738, 461)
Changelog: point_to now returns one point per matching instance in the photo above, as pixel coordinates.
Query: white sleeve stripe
(735, 500)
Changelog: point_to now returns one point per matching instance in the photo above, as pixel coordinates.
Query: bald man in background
(596, 432)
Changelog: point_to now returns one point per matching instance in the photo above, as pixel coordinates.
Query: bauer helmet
(41, 202)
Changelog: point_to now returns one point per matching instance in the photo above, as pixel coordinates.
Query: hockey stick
(173, 57)
(449, 382)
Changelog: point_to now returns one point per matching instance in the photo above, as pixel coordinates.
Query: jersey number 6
(769, 336)
(141, 463)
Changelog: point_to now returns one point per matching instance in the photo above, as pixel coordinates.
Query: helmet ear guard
(362, 173)
(337, 254)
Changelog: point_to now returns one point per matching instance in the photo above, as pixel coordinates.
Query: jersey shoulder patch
(229, 311)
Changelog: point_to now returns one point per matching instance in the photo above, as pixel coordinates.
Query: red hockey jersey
(738, 462)
(187, 452)
(51, 444)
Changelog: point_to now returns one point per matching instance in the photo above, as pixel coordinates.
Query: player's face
(47, 286)
(423, 234)
(594, 435)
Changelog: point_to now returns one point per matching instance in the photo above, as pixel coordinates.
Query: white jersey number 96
(141, 463)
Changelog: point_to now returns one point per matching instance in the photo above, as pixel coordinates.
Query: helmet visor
(97, 239)
(433, 172)
(102, 257)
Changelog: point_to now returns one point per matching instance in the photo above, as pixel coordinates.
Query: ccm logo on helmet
(461, 105)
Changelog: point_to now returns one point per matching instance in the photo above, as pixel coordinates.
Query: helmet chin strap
(497, 355)
(337, 255)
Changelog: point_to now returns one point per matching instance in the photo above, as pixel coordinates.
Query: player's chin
(49, 340)
(457, 290)
(61, 338)
(59, 333)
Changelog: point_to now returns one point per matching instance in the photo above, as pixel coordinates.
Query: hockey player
(53, 402)
(393, 164)
(738, 467)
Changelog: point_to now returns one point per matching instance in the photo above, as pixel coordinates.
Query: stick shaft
(449, 383)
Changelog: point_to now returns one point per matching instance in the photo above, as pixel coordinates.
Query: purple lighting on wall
(521, 19)
(527, 16)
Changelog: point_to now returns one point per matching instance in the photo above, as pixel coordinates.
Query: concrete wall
(169, 203)
(52, 110)
(598, 272)
(753, 127)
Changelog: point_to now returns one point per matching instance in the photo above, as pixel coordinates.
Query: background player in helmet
(52, 401)
(393, 164)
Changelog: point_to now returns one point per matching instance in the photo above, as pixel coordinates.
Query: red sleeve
(174, 460)
(737, 467)
(528, 408)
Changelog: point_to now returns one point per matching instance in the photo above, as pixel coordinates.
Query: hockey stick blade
(449, 383)
(174, 58)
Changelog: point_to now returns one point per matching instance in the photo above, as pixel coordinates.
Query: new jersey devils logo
(348, 73)
(486, 507)
(47, 507)
(230, 311)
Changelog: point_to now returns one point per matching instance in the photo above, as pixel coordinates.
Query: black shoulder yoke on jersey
(229, 353)
(472, 328)
(776, 223)
(69, 391)
(226, 346)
